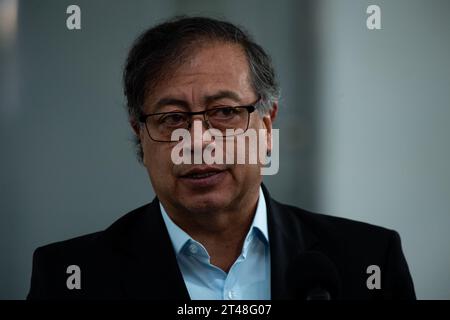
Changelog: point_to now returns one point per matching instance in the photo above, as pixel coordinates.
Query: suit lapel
(287, 237)
(149, 269)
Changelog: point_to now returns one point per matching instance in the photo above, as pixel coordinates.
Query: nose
(197, 127)
(198, 118)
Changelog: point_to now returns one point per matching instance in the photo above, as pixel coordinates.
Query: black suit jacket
(134, 258)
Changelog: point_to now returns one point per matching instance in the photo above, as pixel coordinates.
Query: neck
(223, 232)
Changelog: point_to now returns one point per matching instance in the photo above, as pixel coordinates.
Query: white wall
(384, 100)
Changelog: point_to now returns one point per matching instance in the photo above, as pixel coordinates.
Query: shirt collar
(179, 237)
(260, 219)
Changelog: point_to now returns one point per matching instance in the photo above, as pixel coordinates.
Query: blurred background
(364, 119)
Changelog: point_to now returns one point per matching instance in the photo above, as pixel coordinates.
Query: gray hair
(159, 49)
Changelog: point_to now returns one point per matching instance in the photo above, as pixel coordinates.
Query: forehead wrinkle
(219, 76)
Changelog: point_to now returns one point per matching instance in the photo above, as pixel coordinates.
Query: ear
(137, 130)
(135, 126)
(268, 119)
(274, 111)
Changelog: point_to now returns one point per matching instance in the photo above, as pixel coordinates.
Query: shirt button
(231, 295)
(193, 249)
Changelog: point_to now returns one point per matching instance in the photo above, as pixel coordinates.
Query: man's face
(216, 74)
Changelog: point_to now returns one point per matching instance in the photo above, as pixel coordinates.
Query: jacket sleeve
(397, 278)
(40, 276)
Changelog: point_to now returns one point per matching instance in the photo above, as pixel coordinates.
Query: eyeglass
(161, 125)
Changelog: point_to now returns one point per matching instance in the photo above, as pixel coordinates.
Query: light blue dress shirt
(249, 276)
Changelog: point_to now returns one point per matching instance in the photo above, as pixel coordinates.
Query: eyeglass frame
(250, 109)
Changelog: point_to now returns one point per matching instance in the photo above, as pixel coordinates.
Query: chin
(207, 202)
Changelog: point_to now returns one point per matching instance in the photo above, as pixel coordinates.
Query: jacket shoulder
(354, 246)
(91, 241)
(95, 254)
(336, 228)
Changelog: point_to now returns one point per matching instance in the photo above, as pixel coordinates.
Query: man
(213, 231)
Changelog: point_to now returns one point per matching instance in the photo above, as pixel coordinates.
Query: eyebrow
(170, 101)
(222, 94)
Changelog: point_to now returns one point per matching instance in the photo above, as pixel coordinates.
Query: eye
(173, 119)
(224, 113)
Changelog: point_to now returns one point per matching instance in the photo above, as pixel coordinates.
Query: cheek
(245, 176)
(157, 160)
